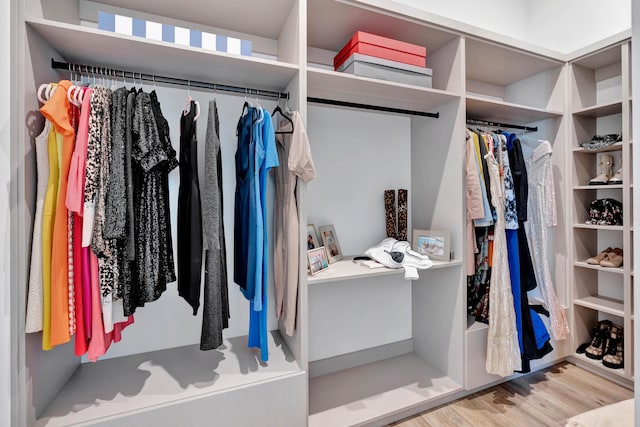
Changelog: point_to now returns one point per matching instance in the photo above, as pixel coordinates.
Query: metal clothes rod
(115, 73)
(372, 107)
(501, 125)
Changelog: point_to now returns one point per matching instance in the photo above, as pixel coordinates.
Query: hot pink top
(78, 167)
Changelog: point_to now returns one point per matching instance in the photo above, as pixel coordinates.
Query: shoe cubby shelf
(346, 269)
(602, 110)
(599, 98)
(602, 304)
(613, 147)
(599, 227)
(598, 187)
(584, 264)
(597, 365)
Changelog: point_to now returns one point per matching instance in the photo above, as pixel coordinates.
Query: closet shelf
(603, 304)
(376, 390)
(350, 88)
(495, 110)
(348, 270)
(599, 227)
(598, 187)
(97, 390)
(598, 364)
(600, 110)
(584, 264)
(613, 147)
(103, 48)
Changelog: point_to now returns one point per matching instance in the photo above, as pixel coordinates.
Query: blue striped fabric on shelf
(172, 34)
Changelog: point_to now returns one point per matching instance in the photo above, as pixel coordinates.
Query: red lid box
(382, 47)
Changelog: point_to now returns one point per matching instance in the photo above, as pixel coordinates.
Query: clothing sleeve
(300, 161)
(475, 208)
(147, 148)
(56, 110)
(269, 142)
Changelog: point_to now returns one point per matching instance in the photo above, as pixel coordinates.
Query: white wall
(5, 144)
(569, 25)
(563, 26)
(501, 16)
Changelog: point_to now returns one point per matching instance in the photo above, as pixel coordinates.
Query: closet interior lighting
(115, 73)
(371, 107)
(501, 125)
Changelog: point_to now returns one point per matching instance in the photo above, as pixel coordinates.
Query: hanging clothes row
(102, 244)
(500, 268)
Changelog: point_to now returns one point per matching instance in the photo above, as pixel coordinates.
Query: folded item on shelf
(394, 253)
(598, 142)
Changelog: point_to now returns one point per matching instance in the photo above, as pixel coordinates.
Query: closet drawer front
(274, 403)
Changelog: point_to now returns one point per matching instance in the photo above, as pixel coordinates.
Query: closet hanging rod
(371, 107)
(501, 125)
(115, 73)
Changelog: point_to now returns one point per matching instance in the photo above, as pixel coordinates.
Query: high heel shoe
(606, 166)
(599, 342)
(614, 357)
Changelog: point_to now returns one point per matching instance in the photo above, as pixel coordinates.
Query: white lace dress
(542, 215)
(35, 297)
(503, 350)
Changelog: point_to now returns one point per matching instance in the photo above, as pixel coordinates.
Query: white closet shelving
(601, 104)
(173, 384)
(505, 85)
(378, 354)
(369, 347)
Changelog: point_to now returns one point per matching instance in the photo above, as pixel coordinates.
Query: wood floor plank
(545, 398)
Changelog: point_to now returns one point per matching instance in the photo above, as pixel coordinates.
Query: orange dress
(57, 110)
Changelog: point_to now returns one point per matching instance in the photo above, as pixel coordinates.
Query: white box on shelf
(384, 69)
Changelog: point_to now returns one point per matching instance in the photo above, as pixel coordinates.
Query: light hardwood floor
(544, 398)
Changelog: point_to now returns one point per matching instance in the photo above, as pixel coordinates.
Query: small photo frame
(312, 238)
(318, 260)
(330, 242)
(433, 243)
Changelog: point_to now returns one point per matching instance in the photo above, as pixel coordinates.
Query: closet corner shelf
(598, 187)
(164, 377)
(603, 304)
(481, 108)
(584, 264)
(598, 364)
(613, 147)
(348, 270)
(346, 87)
(92, 46)
(599, 227)
(600, 110)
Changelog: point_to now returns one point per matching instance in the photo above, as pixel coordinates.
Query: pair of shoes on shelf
(599, 142)
(606, 175)
(607, 345)
(610, 257)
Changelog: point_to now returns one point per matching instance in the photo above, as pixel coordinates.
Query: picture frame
(436, 244)
(330, 242)
(312, 237)
(318, 260)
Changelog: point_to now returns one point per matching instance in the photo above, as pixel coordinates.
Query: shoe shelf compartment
(585, 264)
(596, 82)
(603, 304)
(613, 147)
(585, 319)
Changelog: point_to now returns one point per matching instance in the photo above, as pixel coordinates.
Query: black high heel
(598, 346)
(614, 357)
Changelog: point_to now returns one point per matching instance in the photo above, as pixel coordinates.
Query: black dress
(189, 213)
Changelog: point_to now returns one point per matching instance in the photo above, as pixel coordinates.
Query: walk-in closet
(353, 344)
